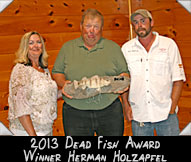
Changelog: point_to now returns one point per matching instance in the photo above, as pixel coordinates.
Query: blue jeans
(106, 122)
(168, 127)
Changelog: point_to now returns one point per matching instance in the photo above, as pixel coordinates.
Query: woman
(32, 92)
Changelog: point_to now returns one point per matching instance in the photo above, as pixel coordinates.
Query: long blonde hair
(22, 52)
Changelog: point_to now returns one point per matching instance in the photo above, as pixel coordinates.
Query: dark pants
(106, 122)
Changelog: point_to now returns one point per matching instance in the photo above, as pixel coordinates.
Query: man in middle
(86, 56)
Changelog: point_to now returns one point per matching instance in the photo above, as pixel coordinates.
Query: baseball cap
(145, 13)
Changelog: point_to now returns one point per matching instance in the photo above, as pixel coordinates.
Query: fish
(93, 82)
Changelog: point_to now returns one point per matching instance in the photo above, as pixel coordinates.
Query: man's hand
(63, 92)
(127, 88)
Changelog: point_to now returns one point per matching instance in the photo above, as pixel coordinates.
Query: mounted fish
(89, 87)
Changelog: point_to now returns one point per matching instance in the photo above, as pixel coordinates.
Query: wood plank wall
(58, 21)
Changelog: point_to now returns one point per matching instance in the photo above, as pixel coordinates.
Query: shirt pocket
(159, 65)
(135, 65)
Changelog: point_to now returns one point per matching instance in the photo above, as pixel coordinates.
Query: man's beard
(143, 32)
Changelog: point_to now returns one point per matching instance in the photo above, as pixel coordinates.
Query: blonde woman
(32, 92)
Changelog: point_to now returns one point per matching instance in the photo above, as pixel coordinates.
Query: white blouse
(32, 93)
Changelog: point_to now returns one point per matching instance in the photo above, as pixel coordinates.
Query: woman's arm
(26, 122)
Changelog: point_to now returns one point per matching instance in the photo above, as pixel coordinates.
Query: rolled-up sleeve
(176, 63)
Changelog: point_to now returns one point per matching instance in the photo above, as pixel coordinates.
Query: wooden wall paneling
(3, 117)
(166, 30)
(185, 101)
(154, 4)
(4, 77)
(183, 32)
(54, 41)
(186, 91)
(6, 61)
(184, 47)
(52, 56)
(4, 84)
(119, 37)
(64, 7)
(184, 113)
(55, 24)
(184, 118)
(188, 81)
(3, 100)
(163, 17)
(9, 44)
(187, 64)
(42, 24)
(181, 15)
